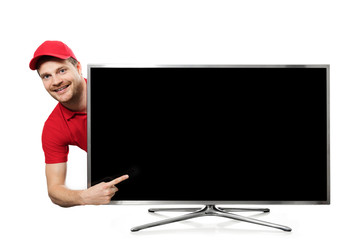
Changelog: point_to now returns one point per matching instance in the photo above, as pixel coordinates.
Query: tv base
(210, 210)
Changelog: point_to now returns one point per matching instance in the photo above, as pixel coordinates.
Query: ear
(79, 68)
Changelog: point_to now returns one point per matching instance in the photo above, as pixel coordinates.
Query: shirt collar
(68, 114)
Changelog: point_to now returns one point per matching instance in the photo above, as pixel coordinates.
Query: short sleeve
(54, 144)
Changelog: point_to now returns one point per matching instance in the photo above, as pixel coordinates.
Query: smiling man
(61, 75)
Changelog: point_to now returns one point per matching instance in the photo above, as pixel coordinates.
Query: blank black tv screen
(222, 134)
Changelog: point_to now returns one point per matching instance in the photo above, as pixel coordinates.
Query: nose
(57, 81)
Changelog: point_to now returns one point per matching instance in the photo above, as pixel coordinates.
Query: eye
(47, 76)
(62, 70)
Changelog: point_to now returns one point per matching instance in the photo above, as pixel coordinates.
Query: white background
(169, 32)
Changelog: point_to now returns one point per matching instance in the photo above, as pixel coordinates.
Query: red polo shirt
(61, 129)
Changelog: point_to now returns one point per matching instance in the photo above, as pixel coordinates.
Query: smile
(62, 88)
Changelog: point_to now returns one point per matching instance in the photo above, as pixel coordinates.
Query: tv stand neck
(210, 210)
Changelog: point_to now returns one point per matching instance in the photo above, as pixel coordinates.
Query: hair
(43, 59)
(73, 61)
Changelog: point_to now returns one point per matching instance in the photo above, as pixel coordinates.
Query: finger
(112, 195)
(117, 180)
(113, 191)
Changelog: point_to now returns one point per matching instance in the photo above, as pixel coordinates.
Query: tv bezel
(225, 202)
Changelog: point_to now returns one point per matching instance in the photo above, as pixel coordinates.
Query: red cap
(51, 48)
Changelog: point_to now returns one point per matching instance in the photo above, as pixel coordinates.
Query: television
(210, 135)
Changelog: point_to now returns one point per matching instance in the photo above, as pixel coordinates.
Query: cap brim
(34, 61)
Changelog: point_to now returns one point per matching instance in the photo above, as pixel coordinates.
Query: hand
(101, 193)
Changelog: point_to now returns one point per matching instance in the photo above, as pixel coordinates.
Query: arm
(58, 192)
(64, 197)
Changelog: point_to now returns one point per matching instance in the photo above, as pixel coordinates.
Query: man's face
(62, 80)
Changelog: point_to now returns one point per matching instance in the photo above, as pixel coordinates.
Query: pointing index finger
(118, 180)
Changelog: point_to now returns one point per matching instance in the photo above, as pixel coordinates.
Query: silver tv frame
(169, 202)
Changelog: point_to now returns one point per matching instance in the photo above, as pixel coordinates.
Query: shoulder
(54, 118)
(55, 125)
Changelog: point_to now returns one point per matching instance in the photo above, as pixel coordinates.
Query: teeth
(57, 90)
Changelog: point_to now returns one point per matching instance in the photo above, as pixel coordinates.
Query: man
(61, 74)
